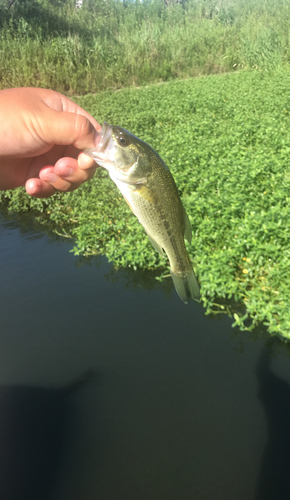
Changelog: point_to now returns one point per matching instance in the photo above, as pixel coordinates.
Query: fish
(148, 186)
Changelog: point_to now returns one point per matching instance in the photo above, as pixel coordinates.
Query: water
(114, 393)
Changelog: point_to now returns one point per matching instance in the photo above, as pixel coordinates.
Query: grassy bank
(226, 139)
(114, 44)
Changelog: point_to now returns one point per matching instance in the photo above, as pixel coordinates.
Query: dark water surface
(108, 393)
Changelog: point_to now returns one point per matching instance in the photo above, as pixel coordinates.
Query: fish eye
(122, 141)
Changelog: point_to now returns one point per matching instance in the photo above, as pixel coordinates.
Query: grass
(114, 44)
(226, 140)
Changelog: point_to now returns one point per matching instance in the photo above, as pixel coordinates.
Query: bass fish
(150, 191)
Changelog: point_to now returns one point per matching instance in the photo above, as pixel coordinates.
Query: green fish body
(150, 190)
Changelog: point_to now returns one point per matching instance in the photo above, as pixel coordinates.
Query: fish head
(123, 154)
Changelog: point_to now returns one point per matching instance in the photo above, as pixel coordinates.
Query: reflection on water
(175, 414)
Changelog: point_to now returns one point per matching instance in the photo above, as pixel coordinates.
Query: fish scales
(162, 214)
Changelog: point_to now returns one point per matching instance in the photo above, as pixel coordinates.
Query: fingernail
(97, 137)
(66, 171)
(50, 177)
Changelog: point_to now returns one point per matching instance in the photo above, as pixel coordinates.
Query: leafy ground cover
(226, 140)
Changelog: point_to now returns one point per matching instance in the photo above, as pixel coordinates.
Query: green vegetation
(227, 141)
(114, 43)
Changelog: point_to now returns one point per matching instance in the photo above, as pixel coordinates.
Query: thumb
(65, 128)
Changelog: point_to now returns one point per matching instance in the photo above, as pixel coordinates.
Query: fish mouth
(102, 142)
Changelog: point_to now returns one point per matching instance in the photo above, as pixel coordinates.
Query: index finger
(63, 103)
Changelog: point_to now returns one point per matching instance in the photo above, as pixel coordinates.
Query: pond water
(111, 391)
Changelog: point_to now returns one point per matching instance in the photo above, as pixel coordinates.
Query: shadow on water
(274, 394)
(35, 427)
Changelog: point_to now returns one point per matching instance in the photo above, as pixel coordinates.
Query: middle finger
(66, 175)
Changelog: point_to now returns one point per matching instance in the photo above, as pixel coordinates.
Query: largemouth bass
(149, 189)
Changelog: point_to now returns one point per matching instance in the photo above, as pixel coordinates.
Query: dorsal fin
(187, 226)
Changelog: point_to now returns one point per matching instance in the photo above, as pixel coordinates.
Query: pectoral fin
(156, 245)
(146, 194)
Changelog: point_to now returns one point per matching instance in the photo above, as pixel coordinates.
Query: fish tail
(186, 286)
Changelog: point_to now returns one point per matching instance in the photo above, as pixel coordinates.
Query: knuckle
(82, 126)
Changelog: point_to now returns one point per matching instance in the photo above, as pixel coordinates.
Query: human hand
(42, 133)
